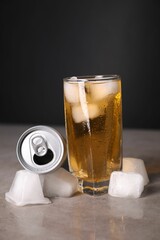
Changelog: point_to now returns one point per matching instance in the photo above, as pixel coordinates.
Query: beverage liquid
(93, 116)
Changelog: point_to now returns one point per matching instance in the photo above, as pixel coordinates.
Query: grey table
(83, 216)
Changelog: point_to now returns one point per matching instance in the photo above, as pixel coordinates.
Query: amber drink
(93, 120)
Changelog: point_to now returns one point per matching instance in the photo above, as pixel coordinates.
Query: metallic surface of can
(41, 149)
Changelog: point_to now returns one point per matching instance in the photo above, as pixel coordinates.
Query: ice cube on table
(126, 185)
(135, 165)
(80, 116)
(60, 183)
(26, 189)
(101, 90)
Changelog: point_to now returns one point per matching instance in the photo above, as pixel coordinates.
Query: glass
(93, 121)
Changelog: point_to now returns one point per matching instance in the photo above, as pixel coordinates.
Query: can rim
(42, 169)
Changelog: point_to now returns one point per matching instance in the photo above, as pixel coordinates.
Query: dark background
(44, 41)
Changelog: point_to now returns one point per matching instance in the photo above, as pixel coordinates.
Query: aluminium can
(41, 149)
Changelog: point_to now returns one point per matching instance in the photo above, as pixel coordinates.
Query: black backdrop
(44, 41)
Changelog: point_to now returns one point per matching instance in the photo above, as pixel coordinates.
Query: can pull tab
(39, 146)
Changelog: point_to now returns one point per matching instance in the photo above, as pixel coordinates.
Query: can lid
(41, 149)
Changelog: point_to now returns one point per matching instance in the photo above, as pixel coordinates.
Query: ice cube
(93, 111)
(71, 92)
(100, 90)
(135, 165)
(60, 183)
(126, 185)
(79, 115)
(26, 189)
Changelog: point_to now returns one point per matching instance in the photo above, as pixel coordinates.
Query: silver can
(41, 149)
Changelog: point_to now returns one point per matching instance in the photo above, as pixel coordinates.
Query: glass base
(94, 188)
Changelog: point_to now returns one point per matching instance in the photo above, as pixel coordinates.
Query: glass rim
(87, 78)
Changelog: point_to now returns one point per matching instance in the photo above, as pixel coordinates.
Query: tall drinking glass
(93, 121)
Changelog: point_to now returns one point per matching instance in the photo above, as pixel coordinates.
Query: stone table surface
(82, 216)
